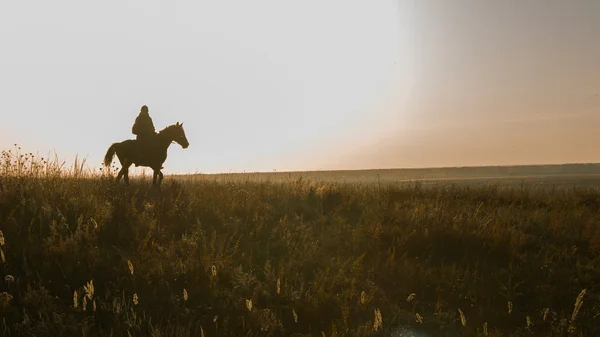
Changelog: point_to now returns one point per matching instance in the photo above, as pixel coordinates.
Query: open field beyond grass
(84, 257)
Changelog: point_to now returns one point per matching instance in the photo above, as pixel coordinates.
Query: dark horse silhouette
(150, 153)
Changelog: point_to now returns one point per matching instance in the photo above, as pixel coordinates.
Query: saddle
(144, 147)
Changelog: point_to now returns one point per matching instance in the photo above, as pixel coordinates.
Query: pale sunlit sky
(306, 85)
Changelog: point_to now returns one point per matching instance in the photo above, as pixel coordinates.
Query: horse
(151, 153)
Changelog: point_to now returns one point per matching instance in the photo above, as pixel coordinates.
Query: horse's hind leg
(120, 175)
(124, 172)
(125, 164)
(160, 177)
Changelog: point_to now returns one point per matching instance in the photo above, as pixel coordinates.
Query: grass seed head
(378, 320)
(463, 319)
(130, 265)
(278, 286)
(5, 297)
(89, 289)
(578, 304)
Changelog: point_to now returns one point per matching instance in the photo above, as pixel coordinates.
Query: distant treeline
(431, 173)
(489, 171)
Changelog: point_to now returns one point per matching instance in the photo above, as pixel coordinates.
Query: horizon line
(392, 169)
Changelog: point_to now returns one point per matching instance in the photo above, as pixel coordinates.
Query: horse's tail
(110, 154)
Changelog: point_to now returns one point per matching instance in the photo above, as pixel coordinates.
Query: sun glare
(260, 85)
(306, 77)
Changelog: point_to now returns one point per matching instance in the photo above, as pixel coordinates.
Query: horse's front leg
(160, 177)
(154, 176)
(126, 176)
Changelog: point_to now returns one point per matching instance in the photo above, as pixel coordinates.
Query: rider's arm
(135, 127)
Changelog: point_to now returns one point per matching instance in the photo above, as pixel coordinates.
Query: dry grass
(83, 256)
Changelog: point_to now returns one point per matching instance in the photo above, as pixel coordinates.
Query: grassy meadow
(227, 256)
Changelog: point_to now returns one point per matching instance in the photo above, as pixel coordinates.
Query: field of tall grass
(82, 256)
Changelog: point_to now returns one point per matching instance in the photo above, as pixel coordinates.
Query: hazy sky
(293, 85)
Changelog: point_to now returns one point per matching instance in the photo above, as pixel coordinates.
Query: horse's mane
(167, 129)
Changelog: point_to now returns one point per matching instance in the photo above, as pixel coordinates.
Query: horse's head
(179, 135)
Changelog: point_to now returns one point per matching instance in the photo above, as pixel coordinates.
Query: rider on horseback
(143, 127)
